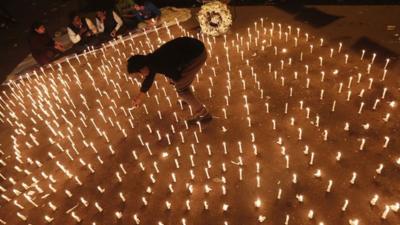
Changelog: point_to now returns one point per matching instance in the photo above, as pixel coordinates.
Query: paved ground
(278, 164)
(358, 27)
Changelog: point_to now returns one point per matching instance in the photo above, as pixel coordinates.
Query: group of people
(82, 32)
(179, 67)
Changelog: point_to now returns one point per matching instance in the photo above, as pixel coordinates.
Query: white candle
(374, 200)
(386, 142)
(279, 194)
(385, 213)
(257, 203)
(373, 58)
(361, 107)
(310, 214)
(287, 161)
(346, 203)
(330, 183)
(380, 168)
(300, 133)
(353, 178)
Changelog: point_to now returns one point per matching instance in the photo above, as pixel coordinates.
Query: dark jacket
(171, 59)
(109, 23)
(42, 47)
(150, 11)
(77, 30)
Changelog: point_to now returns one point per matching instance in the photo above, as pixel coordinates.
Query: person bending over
(44, 49)
(179, 60)
(108, 22)
(80, 32)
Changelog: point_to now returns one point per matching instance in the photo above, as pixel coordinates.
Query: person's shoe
(200, 116)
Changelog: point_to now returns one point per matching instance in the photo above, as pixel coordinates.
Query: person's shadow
(310, 15)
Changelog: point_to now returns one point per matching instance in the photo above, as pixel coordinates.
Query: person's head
(138, 64)
(38, 27)
(75, 19)
(139, 5)
(101, 14)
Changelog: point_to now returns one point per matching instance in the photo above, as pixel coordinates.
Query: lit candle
(385, 213)
(380, 168)
(330, 183)
(257, 203)
(374, 200)
(353, 178)
(387, 139)
(346, 203)
(310, 214)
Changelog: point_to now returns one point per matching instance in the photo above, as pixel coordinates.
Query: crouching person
(179, 60)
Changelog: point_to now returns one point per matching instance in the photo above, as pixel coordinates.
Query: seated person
(80, 32)
(108, 22)
(123, 6)
(145, 11)
(44, 49)
(125, 9)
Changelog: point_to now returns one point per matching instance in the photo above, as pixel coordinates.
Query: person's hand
(113, 33)
(82, 30)
(137, 100)
(59, 46)
(150, 22)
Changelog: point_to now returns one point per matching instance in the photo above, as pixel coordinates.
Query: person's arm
(91, 26)
(137, 15)
(75, 38)
(100, 26)
(118, 20)
(147, 82)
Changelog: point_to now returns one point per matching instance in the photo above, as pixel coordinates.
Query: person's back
(174, 55)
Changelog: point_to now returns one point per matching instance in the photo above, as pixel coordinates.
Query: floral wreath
(214, 18)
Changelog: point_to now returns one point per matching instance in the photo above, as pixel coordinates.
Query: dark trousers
(187, 76)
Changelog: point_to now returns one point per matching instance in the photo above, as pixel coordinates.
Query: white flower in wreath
(215, 18)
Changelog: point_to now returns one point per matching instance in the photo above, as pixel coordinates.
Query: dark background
(189, 3)
(54, 13)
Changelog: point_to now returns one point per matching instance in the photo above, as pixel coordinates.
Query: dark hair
(35, 25)
(140, 2)
(136, 62)
(72, 15)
